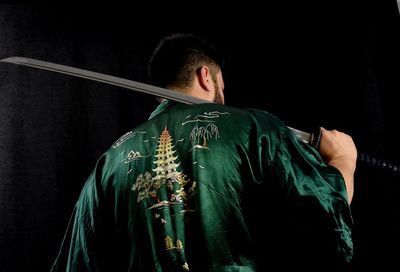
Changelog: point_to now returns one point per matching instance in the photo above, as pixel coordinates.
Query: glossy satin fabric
(208, 188)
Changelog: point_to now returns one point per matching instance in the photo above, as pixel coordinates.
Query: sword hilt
(315, 138)
(315, 141)
(378, 163)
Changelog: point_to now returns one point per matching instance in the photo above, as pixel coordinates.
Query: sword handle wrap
(315, 139)
(378, 163)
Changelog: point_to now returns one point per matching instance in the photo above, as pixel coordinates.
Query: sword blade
(302, 135)
(108, 79)
(124, 83)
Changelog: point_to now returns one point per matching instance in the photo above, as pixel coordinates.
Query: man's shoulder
(238, 115)
(244, 112)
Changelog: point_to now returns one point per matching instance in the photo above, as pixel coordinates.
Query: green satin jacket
(208, 188)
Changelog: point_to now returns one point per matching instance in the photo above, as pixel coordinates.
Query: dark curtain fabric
(54, 127)
(330, 65)
(376, 209)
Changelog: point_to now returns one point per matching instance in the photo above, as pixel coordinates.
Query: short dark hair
(177, 57)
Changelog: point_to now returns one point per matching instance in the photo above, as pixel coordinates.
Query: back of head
(177, 58)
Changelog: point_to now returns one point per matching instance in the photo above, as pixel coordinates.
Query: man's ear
(204, 77)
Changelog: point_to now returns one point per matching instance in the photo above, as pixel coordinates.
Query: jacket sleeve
(314, 193)
(79, 248)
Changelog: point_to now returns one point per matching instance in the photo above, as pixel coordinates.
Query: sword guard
(315, 138)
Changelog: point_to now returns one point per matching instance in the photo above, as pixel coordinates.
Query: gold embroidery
(166, 174)
(179, 244)
(125, 137)
(185, 267)
(165, 190)
(169, 244)
(134, 155)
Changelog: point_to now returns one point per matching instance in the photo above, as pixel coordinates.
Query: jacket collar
(162, 108)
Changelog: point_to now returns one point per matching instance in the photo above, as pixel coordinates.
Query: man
(212, 188)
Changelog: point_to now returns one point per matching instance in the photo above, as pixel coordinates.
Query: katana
(131, 85)
(312, 139)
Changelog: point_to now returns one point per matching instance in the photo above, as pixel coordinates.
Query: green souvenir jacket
(208, 188)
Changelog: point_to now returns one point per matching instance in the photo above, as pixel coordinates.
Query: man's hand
(339, 150)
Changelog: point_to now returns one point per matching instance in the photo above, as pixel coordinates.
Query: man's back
(209, 188)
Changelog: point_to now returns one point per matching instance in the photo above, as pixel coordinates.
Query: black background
(328, 63)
